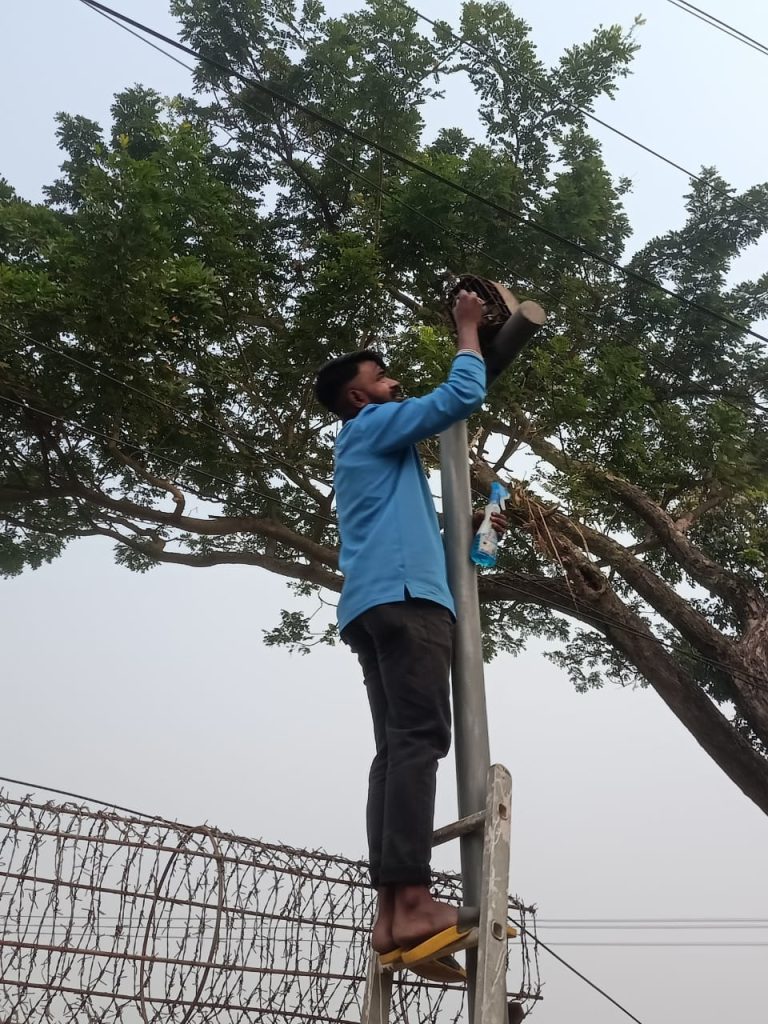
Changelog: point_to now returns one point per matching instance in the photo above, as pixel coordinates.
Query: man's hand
(468, 310)
(498, 522)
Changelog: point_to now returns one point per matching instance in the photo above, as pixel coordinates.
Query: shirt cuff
(469, 352)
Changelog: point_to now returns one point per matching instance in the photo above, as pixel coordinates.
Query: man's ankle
(385, 899)
(411, 897)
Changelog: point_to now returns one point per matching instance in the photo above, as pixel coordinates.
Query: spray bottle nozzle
(499, 494)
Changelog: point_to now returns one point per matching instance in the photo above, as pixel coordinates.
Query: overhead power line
(386, 193)
(650, 922)
(33, 786)
(662, 945)
(393, 197)
(721, 26)
(415, 165)
(534, 938)
(487, 55)
(445, 229)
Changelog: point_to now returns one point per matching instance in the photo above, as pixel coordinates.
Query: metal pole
(471, 743)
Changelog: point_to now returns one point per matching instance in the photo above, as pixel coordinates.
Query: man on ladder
(397, 615)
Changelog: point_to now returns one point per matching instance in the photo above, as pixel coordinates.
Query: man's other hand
(498, 522)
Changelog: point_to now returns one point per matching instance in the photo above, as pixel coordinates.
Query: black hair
(332, 377)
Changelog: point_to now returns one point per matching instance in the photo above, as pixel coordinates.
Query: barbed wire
(132, 920)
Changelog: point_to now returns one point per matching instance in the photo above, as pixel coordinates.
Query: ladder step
(441, 945)
(462, 827)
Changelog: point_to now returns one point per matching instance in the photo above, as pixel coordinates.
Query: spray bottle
(486, 541)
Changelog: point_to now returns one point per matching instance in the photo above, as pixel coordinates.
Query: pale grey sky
(156, 692)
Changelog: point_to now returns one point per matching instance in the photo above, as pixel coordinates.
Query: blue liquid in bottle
(486, 541)
(483, 551)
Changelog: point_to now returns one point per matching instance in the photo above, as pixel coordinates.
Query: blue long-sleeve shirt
(390, 540)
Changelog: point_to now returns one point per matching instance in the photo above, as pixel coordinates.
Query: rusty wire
(128, 920)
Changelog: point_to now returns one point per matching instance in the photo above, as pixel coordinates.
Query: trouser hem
(404, 876)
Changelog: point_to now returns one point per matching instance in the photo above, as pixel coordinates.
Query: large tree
(162, 311)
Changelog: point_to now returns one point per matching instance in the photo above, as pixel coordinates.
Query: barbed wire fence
(113, 918)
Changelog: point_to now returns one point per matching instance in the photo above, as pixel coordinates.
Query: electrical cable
(559, 607)
(481, 51)
(721, 26)
(445, 229)
(535, 939)
(353, 133)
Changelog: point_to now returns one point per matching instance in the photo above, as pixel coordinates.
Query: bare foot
(382, 938)
(417, 916)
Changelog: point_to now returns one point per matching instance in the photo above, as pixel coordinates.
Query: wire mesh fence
(113, 918)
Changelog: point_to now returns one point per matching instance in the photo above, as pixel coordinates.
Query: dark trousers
(404, 650)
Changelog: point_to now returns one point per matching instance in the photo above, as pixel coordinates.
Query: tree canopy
(163, 310)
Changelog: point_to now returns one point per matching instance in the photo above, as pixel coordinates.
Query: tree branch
(680, 692)
(562, 537)
(214, 527)
(686, 521)
(161, 483)
(415, 307)
(286, 154)
(746, 600)
(308, 573)
(631, 635)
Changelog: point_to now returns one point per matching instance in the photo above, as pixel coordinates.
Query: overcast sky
(155, 691)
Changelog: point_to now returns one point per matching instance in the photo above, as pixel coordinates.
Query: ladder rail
(493, 948)
(491, 954)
